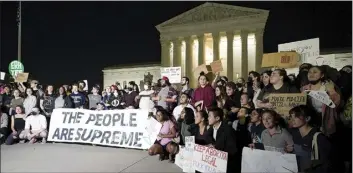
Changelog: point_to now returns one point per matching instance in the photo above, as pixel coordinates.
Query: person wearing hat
(100, 106)
(167, 96)
(36, 126)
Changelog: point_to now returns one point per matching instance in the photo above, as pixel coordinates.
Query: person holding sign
(204, 94)
(224, 139)
(280, 84)
(164, 144)
(326, 116)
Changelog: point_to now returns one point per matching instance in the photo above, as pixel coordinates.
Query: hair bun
(202, 73)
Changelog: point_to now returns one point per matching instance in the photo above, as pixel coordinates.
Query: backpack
(315, 162)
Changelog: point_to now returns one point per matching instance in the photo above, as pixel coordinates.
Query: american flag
(19, 14)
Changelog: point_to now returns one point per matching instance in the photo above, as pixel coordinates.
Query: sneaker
(32, 141)
(44, 141)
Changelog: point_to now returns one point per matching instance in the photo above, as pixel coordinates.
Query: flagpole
(19, 36)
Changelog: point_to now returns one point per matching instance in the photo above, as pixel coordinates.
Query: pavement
(62, 157)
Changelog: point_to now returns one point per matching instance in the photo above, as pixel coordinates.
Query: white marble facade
(212, 32)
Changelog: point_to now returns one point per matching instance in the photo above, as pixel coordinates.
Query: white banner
(120, 128)
(173, 74)
(210, 160)
(325, 60)
(267, 161)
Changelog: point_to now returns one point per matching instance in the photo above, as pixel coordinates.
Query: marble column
(165, 53)
(230, 39)
(201, 40)
(188, 57)
(216, 40)
(259, 48)
(176, 53)
(244, 53)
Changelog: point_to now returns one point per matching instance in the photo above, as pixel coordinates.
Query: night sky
(64, 42)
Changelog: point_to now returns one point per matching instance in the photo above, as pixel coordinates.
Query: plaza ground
(61, 157)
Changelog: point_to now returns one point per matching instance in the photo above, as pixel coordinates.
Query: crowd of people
(220, 113)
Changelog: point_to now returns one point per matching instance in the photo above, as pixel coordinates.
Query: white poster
(2, 75)
(322, 97)
(308, 49)
(210, 160)
(179, 158)
(153, 127)
(120, 128)
(342, 60)
(173, 74)
(188, 154)
(325, 60)
(267, 161)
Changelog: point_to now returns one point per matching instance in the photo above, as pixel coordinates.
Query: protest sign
(322, 97)
(21, 77)
(173, 74)
(2, 75)
(120, 128)
(216, 66)
(15, 67)
(280, 59)
(179, 158)
(153, 127)
(274, 162)
(307, 49)
(188, 154)
(282, 103)
(325, 60)
(199, 69)
(210, 160)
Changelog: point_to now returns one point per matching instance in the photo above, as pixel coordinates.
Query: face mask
(115, 94)
(145, 87)
(34, 113)
(239, 85)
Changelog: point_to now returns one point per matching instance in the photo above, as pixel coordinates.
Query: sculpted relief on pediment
(210, 13)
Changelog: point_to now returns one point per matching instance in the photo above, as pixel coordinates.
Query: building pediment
(209, 12)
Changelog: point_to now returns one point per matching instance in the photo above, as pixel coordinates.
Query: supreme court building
(212, 32)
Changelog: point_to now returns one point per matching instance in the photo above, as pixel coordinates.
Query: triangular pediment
(211, 12)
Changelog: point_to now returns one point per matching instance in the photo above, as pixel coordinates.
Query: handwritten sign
(188, 154)
(307, 49)
(216, 66)
(21, 77)
(322, 97)
(267, 161)
(325, 60)
(210, 160)
(179, 158)
(282, 103)
(173, 74)
(281, 59)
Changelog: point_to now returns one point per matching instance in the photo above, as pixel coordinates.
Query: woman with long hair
(18, 122)
(203, 94)
(164, 144)
(63, 100)
(30, 101)
(186, 119)
(221, 97)
(200, 129)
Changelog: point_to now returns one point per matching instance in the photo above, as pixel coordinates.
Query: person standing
(77, 97)
(94, 98)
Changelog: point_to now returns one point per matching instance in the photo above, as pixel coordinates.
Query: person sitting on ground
(36, 127)
(18, 122)
(164, 144)
(3, 127)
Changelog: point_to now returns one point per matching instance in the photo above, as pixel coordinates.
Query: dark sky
(68, 41)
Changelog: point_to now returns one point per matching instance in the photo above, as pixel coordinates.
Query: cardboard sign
(282, 103)
(209, 160)
(254, 160)
(216, 66)
(173, 74)
(281, 59)
(120, 128)
(322, 97)
(21, 77)
(199, 69)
